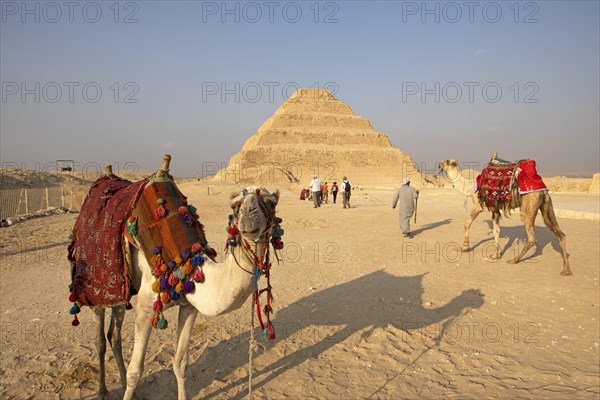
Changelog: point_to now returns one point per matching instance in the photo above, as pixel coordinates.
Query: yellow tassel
(179, 287)
(156, 286)
(187, 268)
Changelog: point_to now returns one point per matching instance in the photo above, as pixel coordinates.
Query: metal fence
(17, 202)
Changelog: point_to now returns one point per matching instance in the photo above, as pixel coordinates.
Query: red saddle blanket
(498, 183)
(528, 178)
(99, 273)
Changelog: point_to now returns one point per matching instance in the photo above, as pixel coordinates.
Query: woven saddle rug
(165, 223)
(501, 182)
(98, 271)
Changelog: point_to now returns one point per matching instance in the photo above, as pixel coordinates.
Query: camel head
(254, 213)
(445, 165)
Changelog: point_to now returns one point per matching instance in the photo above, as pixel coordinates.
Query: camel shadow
(374, 301)
(517, 234)
(432, 225)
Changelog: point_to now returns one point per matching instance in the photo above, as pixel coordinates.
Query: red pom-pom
(233, 231)
(72, 298)
(257, 191)
(75, 321)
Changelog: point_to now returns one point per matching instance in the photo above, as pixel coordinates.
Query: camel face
(254, 219)
(444, 165)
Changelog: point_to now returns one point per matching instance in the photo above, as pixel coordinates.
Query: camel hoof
(495, 257)
(566, 272)
(465, 249)
(512, 261)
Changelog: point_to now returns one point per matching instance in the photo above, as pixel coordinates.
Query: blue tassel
(74, 310)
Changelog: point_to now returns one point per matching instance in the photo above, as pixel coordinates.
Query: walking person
(315, 188)
(346, 192)
(406, 195)
(324, 192)
(334, 191)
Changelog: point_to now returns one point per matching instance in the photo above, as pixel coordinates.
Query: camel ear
(453, 163)
(233, 195)
(275, 196)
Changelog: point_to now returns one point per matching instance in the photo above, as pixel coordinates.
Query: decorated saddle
(501, 182)
(99, 273)
(156, 218)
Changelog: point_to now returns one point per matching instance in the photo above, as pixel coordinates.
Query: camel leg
(114, 338)
(143, 315)
(185, 323)
(474, 213)
(529, 209)
(496, 221)
(101, 347)
(550, 220)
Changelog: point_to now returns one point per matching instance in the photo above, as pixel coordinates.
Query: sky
(123, 83)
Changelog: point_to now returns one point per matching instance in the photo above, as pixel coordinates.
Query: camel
(529, 205)
(225, 288)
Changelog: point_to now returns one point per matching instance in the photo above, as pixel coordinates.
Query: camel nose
(249, 223)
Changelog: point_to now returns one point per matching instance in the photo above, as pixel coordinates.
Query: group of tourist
(405, 196)
(318, 191)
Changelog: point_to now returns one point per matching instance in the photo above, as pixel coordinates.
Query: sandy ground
(361, 313)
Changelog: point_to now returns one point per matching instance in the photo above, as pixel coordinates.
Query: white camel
(226, 287)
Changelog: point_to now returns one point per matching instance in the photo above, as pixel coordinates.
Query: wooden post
(62, 197)
(26, 205)
(47, 199)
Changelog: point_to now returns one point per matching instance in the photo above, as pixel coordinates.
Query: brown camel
(529, 205)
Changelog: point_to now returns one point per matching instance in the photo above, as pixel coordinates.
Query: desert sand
(360, 312)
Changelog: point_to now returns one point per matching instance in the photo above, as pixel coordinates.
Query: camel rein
(260, 258)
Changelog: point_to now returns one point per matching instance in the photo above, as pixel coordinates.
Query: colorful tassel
(160, 212)
(72, 298)
(199, 276)
(165, 298)
(182, 210)
(156, 286)
(157, 250)
(186, 253)
(187, 269)
(179, 287)
(154, 321)
(188, 287)
(164, 284)
(158, 305)
(75, 321)
(162, 323)
(197, 260)
(157, 272)
(196, 247)
(173, 279)
(74, 309)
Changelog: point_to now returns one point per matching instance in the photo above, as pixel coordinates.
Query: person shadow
(429, 226)
(378, 300)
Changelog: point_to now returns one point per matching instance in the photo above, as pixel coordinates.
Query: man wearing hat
(407, 196)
